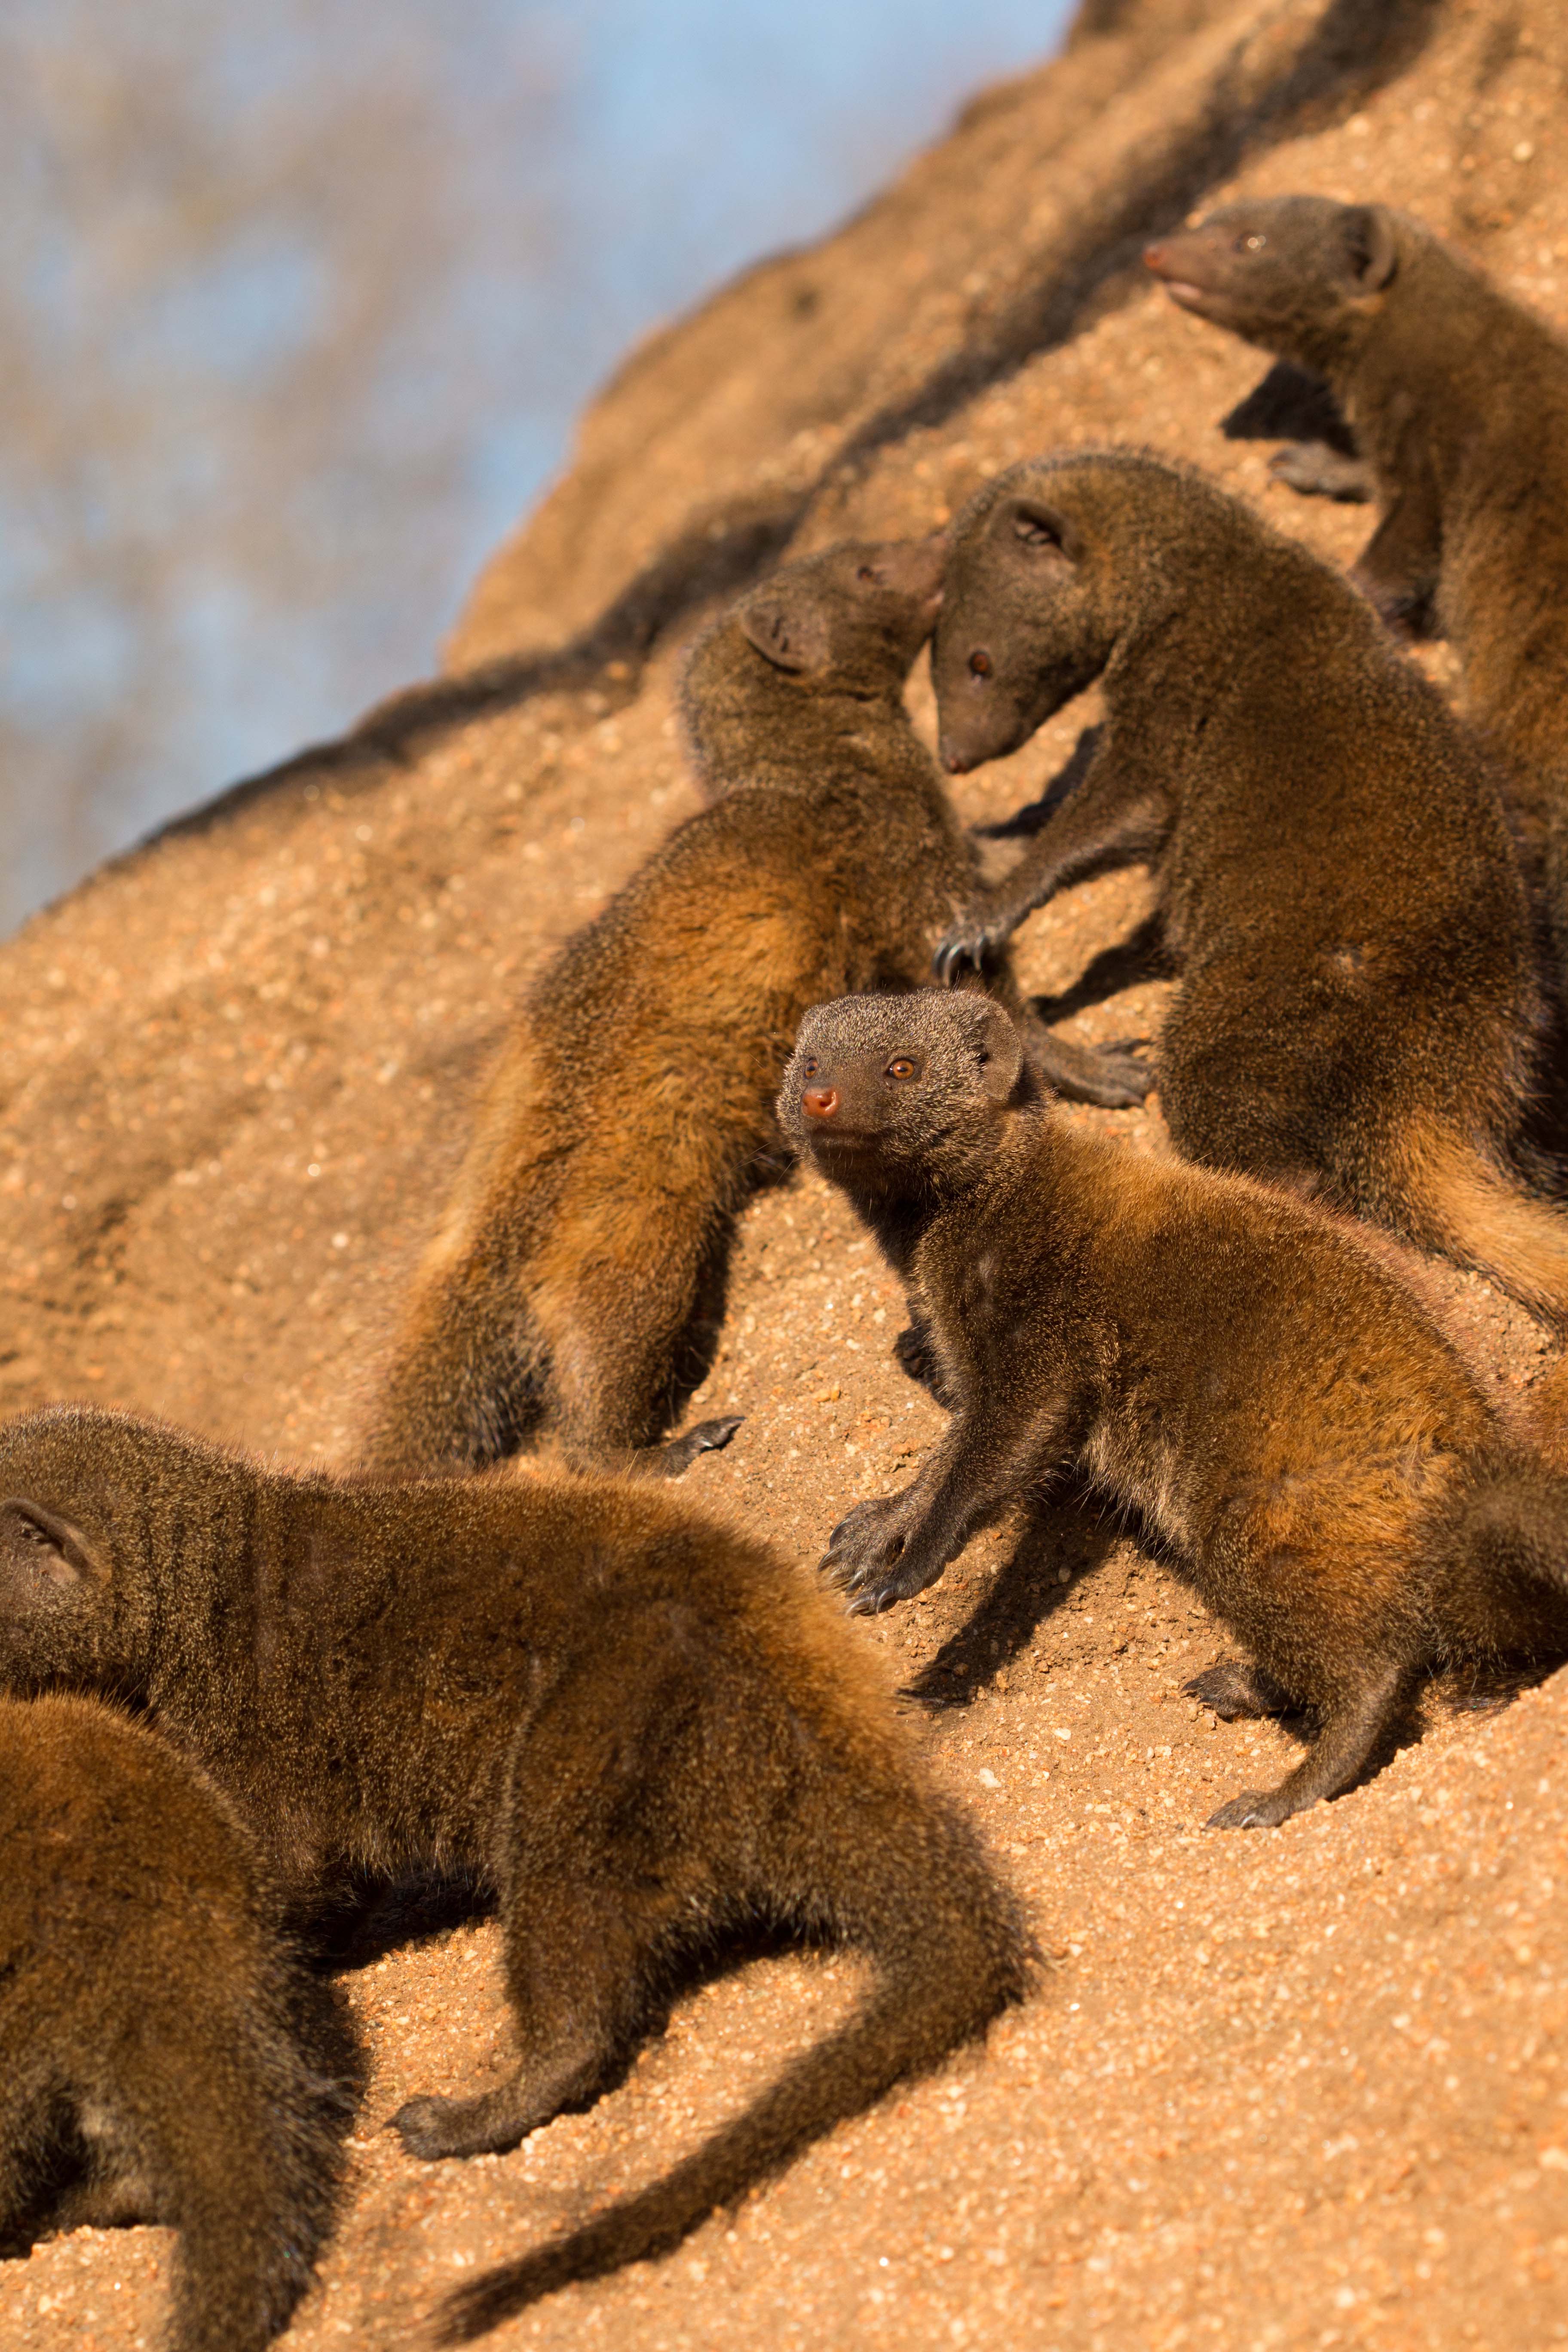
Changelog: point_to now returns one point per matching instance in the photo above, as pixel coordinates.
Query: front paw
(424, 2125)
(866, 1539)
(1255, 1808)
(1128, 1079)
(970, 945)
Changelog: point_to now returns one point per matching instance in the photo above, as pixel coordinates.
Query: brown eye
(902, 1068)
(980, 665)
(810, 1067)
(870, 573)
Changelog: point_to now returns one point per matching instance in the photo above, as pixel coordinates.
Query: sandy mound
(1301, 2089)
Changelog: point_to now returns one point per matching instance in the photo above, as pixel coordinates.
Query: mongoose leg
(1350, 1739)
(672, 1461)
(1115, 1080)
(894, 1546)
(914, 1353)
(1319, 472)
(1105, 824)
(1399, 567)
(1233, 1687)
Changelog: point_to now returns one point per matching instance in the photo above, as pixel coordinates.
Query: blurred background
(299, 304)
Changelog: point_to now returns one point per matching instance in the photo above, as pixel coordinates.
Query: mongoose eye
(900, 1066)
(980, 665)
(1252, 242)
(1032, 530)
(810, 1066)
(870, 573)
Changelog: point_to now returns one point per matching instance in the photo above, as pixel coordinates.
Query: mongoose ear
(1039, 530)
(790, 634)
(41, 1557)
(1000, 1051)
(1375, 256)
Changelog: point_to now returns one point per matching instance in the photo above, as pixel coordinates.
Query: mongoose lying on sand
(640, 1729)
(1357, 1010)
(1240, 1368)
(576, 1285)
(1458, 400)
(162, 2058)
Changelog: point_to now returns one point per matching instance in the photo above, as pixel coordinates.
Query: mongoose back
(637, 1727)
(1457, 396)
(575, 1287)
(1242, 1370)
(1357, 1010)
(163, 2057)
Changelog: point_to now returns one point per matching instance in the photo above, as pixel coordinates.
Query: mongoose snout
(1239, 1369)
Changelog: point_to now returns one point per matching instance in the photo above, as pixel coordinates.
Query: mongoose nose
(820, 1102)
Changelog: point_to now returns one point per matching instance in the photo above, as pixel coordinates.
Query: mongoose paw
(866, 1540)
(1127, 1079)
(1231, 1688)
(871, 1593)
(969, 944)
(1255, 1808)
(424, 2125)
(1317, 471)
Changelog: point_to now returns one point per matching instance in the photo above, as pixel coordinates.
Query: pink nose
(820, 1102)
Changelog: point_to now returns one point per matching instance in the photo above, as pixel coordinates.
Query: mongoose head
(903, 1096)
(856, 614)
(68, 1478)
(1050, 563)
(1301, 275)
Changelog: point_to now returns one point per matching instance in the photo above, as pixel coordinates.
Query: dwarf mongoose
(1242, 1370)
(162, 2056)
(1457, 397)
(576, 1285)
(1357, 1010)
(639, 1729)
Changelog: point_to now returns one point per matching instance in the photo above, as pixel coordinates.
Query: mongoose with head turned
(162, 2056)
(1244, 1370)
(575, 1287)
(639, 1729)
(1457, 397)
(1357, 1010)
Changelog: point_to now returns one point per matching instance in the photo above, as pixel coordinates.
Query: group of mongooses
(641, 1733)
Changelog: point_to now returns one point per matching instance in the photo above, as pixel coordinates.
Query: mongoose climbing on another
(1457, 397)
(575, 1287)
(641, 1730)
(1357, 1010)
(1243, 1371)
(164, 2057)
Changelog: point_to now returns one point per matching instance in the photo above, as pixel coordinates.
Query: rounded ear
(41, 1557)
(1000, 1051)
(1038, 529)
(786, 630)
(1375, 256)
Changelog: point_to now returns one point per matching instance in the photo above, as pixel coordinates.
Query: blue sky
(304, 320)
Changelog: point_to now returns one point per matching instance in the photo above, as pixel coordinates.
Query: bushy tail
(951, 1953)
(1457, 1202)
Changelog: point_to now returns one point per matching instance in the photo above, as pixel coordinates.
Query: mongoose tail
(1462, 1204)
(950, 1953)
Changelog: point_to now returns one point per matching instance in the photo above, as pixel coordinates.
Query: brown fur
(162, 2058)
(1231, 1364)
(575, 1287)
(1357, 1012)
(577, 1283)
(1457, 396)
(641, 1730)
